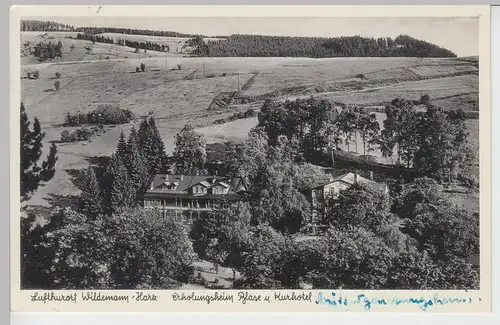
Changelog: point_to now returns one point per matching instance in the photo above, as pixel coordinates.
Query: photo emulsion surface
(249, 153)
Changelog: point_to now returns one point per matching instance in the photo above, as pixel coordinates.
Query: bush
(82, 134)
(250, 113)
(33, 74)
(137, 69)
(58, 75)
(72, 47)
(179, 67)
(110, 114)
(76, 120)
(425, 99)
(143, 67)
(67, 137)
(57, 84)
(360, 76)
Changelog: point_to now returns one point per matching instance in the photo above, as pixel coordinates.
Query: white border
(277, 11)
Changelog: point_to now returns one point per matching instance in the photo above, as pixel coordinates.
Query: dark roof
(185, 182)
(170, 195)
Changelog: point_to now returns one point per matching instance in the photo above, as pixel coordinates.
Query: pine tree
(31, 150)
(151, 145)
(138, 172)
(121, 148)
(123, 192)
(48, 169)
(90, 198)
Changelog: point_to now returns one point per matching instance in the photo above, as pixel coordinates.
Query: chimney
(151, 186)
(356, 177)
(182, 178)
(166, 177)
(371, 175)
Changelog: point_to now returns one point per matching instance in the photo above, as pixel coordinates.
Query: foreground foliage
(130, 249)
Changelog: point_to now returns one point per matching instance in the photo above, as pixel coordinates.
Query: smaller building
(184, 197)
(324, 191)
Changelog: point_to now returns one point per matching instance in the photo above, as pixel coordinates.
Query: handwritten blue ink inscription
(334, 299)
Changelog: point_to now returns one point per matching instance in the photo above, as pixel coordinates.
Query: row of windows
(199, 204)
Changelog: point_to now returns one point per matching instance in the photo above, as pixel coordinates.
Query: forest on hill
(315, 47)
(50, 26)
(272, 46)
(44, 26)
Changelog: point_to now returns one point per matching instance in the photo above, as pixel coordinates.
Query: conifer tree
(90, 198)
(121, 148)
(151, 145)
(139, 172)
(31, 150)
(122, 191)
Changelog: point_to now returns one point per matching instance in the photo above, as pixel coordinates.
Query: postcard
(250, 158)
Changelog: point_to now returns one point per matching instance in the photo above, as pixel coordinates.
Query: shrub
(110, 114)
(211, 75)
(179, 67)
(425, 99)
(58, 75)
(143, 67)
(250, 113)
(103, 114)
(72, 47)
(76, 120)
(67, 137)
(57, 84)
(28, 74)
(82, 134)
(360, 76)
(35, 74)
(137, 69)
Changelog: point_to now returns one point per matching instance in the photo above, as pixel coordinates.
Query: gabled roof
(223, 184)
(204, 183)
(185, 182)
(350, 178)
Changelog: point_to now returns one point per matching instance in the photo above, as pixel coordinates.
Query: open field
(176, 96)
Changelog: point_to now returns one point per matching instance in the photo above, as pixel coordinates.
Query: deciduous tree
(189, 152)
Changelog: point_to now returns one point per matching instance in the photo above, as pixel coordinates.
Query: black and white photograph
(213, 153)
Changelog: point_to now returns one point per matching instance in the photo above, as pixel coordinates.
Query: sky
(460, 35)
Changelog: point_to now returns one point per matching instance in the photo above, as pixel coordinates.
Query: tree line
(51, 26)
(44, 26)
(316, 47)
(146, 32)
(134, 44)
